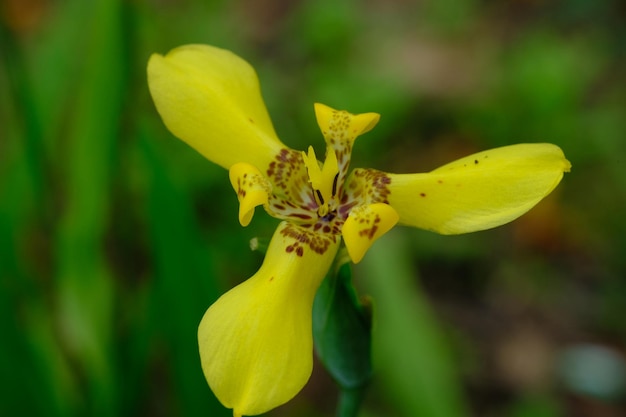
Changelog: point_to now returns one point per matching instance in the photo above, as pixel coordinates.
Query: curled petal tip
(567, 166)
(363, 123)
(252, 189)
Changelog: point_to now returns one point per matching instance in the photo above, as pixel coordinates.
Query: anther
(319, 197)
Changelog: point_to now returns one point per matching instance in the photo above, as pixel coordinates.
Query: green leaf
(342, 330)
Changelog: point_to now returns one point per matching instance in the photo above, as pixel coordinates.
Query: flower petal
(340, 129)
(340, 125)
(366, 224)
(480, 191)
(210, 98)
(253, 189)
(256, 342)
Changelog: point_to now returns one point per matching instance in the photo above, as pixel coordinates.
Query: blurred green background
(115, 236)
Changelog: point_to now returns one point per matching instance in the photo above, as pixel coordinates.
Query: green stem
(350, 400)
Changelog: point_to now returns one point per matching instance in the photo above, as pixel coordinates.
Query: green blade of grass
(184, 287)
(31, 361)
(85, 287)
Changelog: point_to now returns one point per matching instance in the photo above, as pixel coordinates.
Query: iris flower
(255, 341)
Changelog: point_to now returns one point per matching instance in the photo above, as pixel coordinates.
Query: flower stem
(350, 400)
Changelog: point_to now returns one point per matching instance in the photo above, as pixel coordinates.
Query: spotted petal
(480, 191)
(211, 99)
(252, 187)
(256, 343)
(340, 126)
(340, 129)
(364, 226)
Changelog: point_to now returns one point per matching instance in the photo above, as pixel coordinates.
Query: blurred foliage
(115, 237)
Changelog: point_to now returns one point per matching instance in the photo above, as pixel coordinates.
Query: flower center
(297, 187)
(319, 200)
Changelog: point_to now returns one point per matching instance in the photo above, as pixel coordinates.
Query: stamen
(320, 199)
(323, 180)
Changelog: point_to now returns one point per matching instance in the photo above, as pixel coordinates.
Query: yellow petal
(342, 126)
(480, 191)
(255, 342)
(366, 224)
(252, 189)
(210, 98)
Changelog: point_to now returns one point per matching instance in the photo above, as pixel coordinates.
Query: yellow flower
(256, 340)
